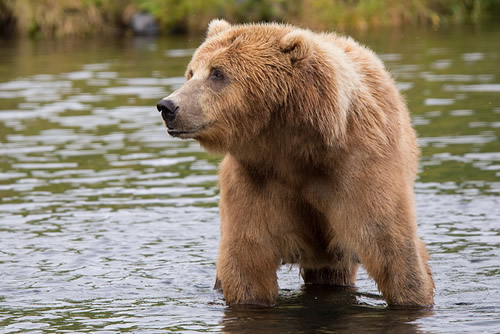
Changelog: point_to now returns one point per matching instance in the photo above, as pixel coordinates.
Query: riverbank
(60, 18)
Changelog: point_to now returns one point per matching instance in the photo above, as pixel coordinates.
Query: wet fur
(320, 160)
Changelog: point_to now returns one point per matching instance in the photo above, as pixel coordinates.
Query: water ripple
(108, 224)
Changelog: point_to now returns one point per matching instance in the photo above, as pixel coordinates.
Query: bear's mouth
(186, 134)
(180, 133)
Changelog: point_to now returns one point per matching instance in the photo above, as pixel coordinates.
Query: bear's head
(243, 79)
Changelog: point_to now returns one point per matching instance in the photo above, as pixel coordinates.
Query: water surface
(109, 225)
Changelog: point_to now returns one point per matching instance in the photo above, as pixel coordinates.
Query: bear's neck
(285, 151)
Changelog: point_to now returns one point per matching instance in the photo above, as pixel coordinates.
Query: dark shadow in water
(323, 309)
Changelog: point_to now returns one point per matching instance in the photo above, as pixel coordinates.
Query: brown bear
(320, 161)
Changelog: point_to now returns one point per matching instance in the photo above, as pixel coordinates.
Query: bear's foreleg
(399, 267)
(246, 271)
(248, 254)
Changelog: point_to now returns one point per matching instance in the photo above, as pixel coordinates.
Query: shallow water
(109, 225)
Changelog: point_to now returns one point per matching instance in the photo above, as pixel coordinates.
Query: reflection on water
(107, 224)
(322, 310)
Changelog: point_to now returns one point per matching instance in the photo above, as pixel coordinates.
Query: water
(109, 225)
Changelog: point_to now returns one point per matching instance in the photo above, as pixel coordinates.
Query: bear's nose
(168, 110)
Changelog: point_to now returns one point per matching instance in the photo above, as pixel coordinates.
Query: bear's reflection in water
(324, 309)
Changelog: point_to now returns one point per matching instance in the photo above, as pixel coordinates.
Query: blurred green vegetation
(85, 17)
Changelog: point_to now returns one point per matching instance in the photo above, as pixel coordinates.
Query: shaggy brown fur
(320, 161)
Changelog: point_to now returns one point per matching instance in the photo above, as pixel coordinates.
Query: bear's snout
(168, 111)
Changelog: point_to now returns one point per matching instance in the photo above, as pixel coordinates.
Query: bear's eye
(190, 74)
(216, 74)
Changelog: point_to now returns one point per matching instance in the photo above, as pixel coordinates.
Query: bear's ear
(216, 26)
(297, 44)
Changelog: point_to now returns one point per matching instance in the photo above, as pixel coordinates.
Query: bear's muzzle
(168, 111)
